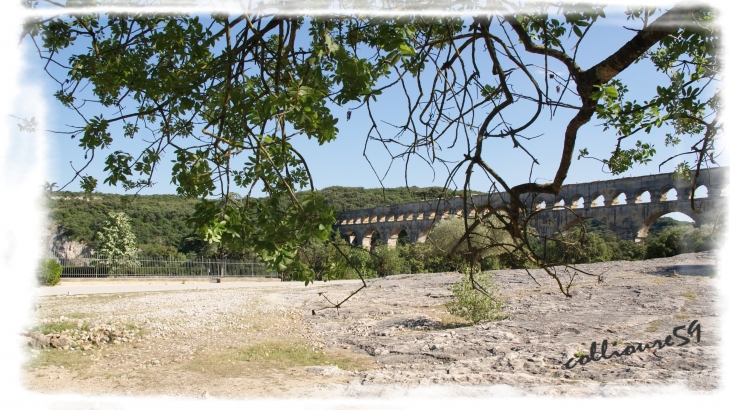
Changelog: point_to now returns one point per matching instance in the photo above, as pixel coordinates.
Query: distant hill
(155, 219)
(159, 221)
(348, 198)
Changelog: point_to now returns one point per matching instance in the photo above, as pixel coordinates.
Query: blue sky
(342, 162)
(26, 160)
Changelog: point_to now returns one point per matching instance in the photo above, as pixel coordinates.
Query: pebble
(413, 345)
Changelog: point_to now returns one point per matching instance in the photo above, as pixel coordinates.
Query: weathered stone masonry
(618, 203)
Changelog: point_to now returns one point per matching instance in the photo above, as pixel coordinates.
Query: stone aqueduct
(628, 206)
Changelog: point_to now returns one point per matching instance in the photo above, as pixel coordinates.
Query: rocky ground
(394, 335)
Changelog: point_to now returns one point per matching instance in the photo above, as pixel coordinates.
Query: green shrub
(666, 244)
(361, 258)
(486, 238)
(629, 250)
(49, 273)
(387, 261)
(474, 305)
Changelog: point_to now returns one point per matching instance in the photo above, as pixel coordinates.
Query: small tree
(49, 273)
(387, 261)
(116, 240)
(487, 239)
(479, 301)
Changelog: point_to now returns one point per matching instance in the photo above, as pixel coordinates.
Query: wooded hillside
(159, 221)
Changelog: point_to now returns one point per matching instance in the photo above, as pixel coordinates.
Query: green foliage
(597, 245)
(156, 220)
(359, 259)
(681, 239)
(576, 247)
(426, 257)
(159, 251)
(477, 302)
(334, 259)
(244, 86)
(667, 237)
(627, 250)
(665, 244)
(689, 59)
(49, 273)
(349, 198)
(116, 240)
(388, 261)
(663, 224)
(160, 222)
(487, 238)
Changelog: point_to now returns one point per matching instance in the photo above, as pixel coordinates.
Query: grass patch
(579, 354)
(653, 327)
(448, 321)
(69, 359)
(77, 315)
(58, 327)
(689, 295)
(272, 355)
(680, 316)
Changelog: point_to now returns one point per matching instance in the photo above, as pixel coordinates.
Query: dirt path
(253, 342)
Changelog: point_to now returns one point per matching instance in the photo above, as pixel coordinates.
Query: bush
(629, 250)
(49, 273)
(387, 261)
(486, 238)
(666, 244)
(361, 258)
(474, 305)
(157, 250)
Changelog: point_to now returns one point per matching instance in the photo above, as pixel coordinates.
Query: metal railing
(91, 267)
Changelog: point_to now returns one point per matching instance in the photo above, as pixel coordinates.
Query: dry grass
(448, 321)
(653, 327)
(689, 295)
(273, 355)
(58, 327)
(74, 360)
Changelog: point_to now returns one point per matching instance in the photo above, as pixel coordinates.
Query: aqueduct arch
(395, 234)
(350, 236)
(646, 201)
(368, 237)
(648, 222)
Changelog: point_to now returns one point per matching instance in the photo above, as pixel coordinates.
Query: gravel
(400, 323)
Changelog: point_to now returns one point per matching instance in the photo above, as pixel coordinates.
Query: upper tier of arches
(629, 206)
(573, 199)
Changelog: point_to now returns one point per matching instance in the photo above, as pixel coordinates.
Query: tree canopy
(116, 239)
(226, 94)
(160, 221)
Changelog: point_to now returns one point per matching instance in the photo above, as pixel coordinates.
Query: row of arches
(617, 198)
(403, 217)
(620, 198)
(636, 229)
(399, 235)
(372, 238)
